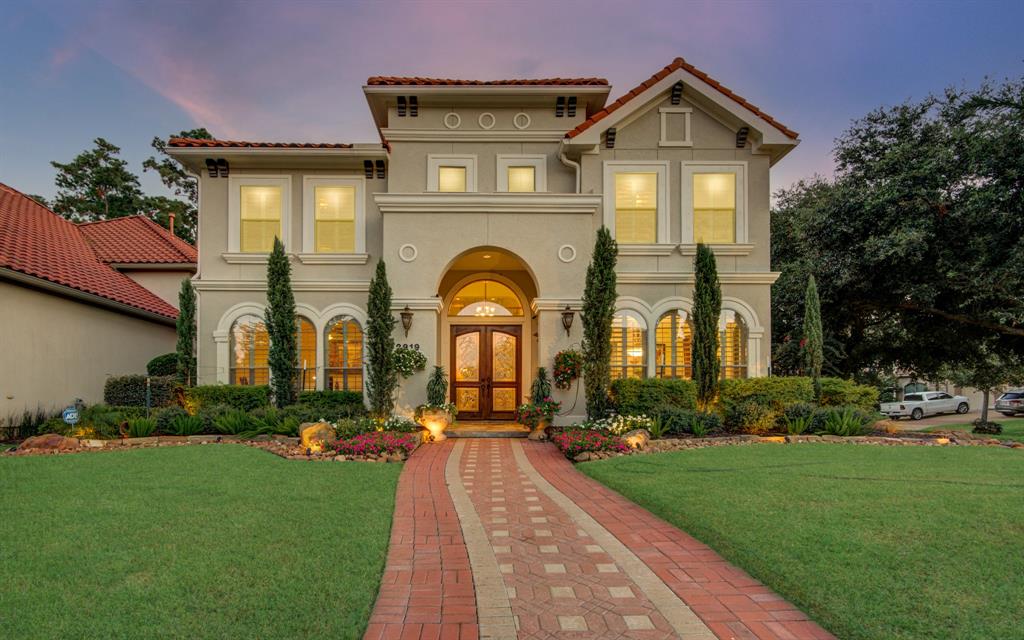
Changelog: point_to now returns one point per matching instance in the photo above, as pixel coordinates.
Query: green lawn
(218, 541)
(1012, 429)
(872, 542)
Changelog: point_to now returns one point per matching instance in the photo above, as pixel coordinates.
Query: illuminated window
(714, 208)
(629, 337)
(335, 219)
(305, 340)
(343, 345)
(259, 218)
(673, 344)
(250, 346)
(522, 179)
(485, 298)
(636, 208)
(732, 345)
(451, 179)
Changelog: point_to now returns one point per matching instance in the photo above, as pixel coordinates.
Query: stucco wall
(165, 284)
(53, 349)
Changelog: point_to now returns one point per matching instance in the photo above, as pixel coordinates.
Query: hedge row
(130, 391)
(243, 398)
(165, 365)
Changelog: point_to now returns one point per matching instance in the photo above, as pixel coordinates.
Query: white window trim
(611, 167)
(235, 182)
(538, 162)
(309, 253)
(687, 140)
(436, 161)
(739, 169)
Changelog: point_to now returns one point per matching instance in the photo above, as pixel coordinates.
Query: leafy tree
(598, 311)
(381, 373)
(186, 363)
(41, 200)
(179, 182)
(707, 309)
(96, 185)
(988, 371)
(283, 357)
(813, 340)
(918, 241)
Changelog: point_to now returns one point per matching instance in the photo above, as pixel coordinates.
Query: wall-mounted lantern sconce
(406, 319)
(567, 317)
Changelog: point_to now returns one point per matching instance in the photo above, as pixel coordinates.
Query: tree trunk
(984, 406)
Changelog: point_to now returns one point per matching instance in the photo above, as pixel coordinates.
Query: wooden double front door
(484, 369)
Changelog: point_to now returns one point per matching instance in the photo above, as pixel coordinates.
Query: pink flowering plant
(576, 441)
(533, 413)
(377, 442)
(568, 367)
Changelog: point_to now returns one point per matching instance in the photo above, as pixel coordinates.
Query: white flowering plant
(617, 425)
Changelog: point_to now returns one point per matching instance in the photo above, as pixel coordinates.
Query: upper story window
(451, 173)
(636, 201)
(522, 173)
(333, 219)
(259, 210)
(714, 202)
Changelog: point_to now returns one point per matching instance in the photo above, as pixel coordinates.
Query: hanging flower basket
(568, 367)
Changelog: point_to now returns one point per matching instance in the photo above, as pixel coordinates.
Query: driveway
(906, 424)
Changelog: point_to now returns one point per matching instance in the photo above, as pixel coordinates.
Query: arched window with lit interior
(485, 299)
(732, 344)
(343, 355)
(250, 347)
(305, 346)
(673, 344)
(629, 337)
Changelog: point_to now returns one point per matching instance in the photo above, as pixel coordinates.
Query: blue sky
(129, 71)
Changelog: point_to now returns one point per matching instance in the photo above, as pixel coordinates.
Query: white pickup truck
(925, 403)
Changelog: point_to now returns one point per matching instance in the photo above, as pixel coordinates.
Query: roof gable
(136, 240)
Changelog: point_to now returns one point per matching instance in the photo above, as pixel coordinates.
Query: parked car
(926, 403)
(1011, 403)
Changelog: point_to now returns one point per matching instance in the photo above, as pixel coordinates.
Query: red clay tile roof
(452, 82)
(222, 144)
(37, 242)
(136, 240)
(678, 63)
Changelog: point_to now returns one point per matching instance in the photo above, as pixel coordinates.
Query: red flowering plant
(533, 413)
(577, 441)
(568, 367)
(376, 443)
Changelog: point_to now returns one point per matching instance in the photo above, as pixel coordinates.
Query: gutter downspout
(575, 166)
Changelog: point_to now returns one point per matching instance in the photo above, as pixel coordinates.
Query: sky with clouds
(292, 71)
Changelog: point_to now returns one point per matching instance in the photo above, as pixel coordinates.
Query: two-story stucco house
(484, 198)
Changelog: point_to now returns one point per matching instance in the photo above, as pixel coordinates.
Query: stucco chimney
(170, 223)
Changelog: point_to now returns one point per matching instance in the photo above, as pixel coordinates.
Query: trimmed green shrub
(243, 398)
(674, 420)
(777, 391)
(636, 396)
(836, 392)
(754, 416)
(843, 421)
(165, 365)
(130, 413)
(704, 422)
(130, 390)
(165, 418)
(302, 413)
(333, 404)
(141, 427)
(235, 423)
(797, 418)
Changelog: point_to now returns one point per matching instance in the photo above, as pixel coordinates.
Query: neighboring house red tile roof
(676, 64)
(452, 82)
(136, 240)
(37, 242)
(232, 144)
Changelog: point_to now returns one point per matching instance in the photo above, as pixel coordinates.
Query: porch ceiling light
(567, 317)
(406, 319)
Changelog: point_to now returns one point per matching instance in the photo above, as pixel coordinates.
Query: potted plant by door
(436, 414)
(537, 413)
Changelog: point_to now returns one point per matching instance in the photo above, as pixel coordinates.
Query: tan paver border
(494, 612)
(681, 617)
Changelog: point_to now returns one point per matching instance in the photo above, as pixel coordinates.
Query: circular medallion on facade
(486, 120)
(566, 253)
(452, 120)
(407, 252)
(521, 120)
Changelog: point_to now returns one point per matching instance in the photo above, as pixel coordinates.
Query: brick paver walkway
(504, 539)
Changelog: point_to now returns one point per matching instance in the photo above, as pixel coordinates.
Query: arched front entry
(487, 333)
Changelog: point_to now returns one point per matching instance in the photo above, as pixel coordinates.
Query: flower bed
(377, 443)
(577, 441)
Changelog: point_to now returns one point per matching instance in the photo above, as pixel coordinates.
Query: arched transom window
(673, 344)
(629, 336)
(250, 346)
(484, 299)
(343, 355)
(305, 341)
(732, 344)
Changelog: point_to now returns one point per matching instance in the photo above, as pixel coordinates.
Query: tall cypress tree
(707, 308)
(280, 319)
(186, 334)
(598, 310)
(813, 337)
(381, 374)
